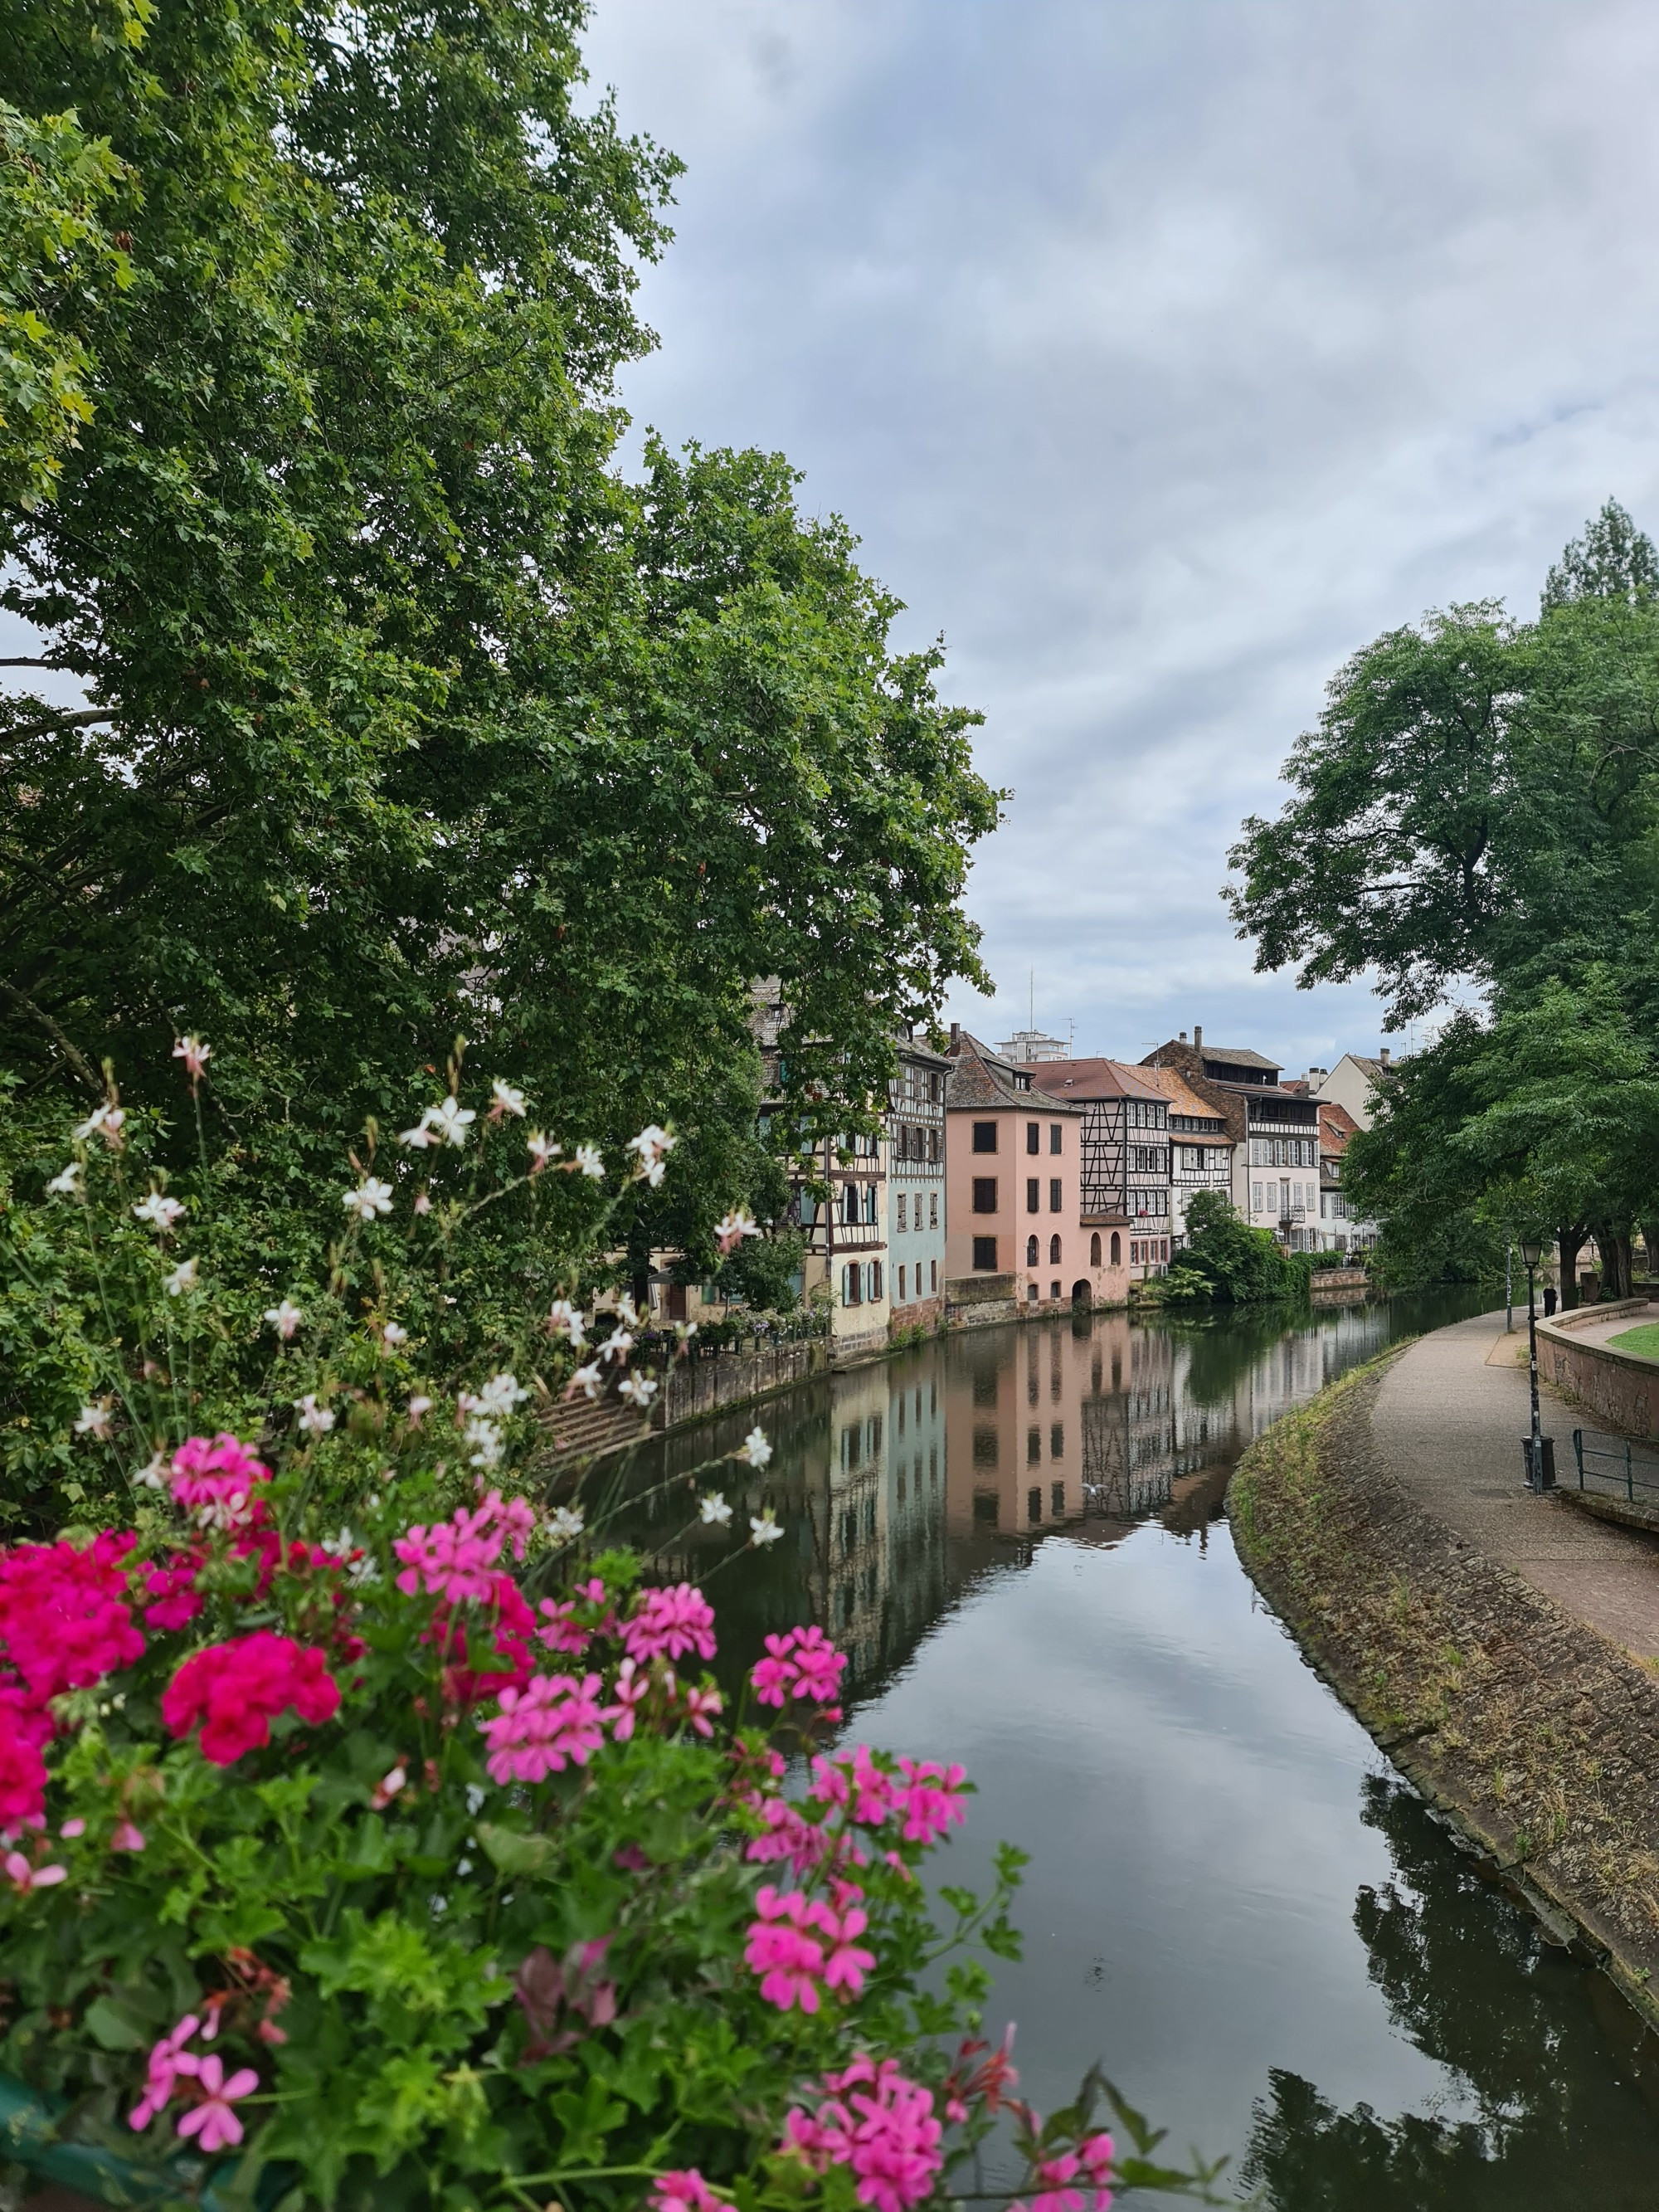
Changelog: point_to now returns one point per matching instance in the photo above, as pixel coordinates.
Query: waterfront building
(1353, 1084)
(1201, 1149)
(847, 1242)
(1125, 1186)
(1015, 1238)
(1275, 1131)
(916, 1192)
(1339, 1231)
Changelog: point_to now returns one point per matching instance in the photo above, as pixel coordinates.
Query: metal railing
(1617, 1466)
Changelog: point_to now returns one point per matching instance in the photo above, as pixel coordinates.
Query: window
(1053, 1194)
(849, 1196)
(852, 1286)
(985, 1447)
(932, 1089)
(1032, 1201)
(1053, 1289)
(1057, 1440)
(985, 1194)
(1255, 1198)
(1034, 1503)
(901, 1294)
(875, 1280)
(1033, 1137)
(1030, 1251)
(1134, 1251)
(1057, 1499)
(985, 1136)
(1054, 1128)
(901, 1210)
(932, 1210)
(1094, 1249)
(1033, 1445)
(1117, 1249)
(933, 1146)
(985, 1255)
(1053, 1251)
(932, 1275)
(1031, 1292)
(1164, 1247)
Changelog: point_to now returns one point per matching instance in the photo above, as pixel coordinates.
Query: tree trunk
(1570, 1238)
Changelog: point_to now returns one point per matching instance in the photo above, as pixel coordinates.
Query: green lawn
(1644, 1341)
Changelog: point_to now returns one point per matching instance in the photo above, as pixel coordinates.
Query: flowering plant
(364, 1823)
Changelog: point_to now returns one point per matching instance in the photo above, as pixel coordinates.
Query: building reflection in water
(900, 1484)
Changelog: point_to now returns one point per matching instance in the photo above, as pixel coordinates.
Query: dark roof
(1093, 1078)
(1238, 1056)
(980, 1077)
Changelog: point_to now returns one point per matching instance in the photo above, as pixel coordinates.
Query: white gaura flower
(565, 1523)
(105, 1121)
(394, 1334)
(715, 1509)
(285, 1319)
(316, 1420)
(542, 1150)
(754, 1450)
(424, 1201)
(617, 1345)
(763, 1529)
(589, 1160)
(450, 1120)
(588, 1378)
(93, 1420)
(638, 1388)
(563, 1319)
(64, 1183)
(731, 1230)
(194, 1054)
(507, 1100)
(485, 1439)
(153, 1476)
(160, 1211)
(653, 1144)
(372, 1196)
(627, 1312)
(416, 1410)
(497, 1398)
(419, 1137)
(183, 1277)
(685, 1330)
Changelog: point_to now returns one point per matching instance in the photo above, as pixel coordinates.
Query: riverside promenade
(1448, 1423)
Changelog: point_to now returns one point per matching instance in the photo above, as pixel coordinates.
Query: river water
(1234, 1902)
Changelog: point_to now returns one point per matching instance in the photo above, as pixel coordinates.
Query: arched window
(1053, 1251)
(1030, 1251)
(1094, 1249)
(1117, 1249)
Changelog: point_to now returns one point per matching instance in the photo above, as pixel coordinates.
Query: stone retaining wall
(1535, 1737)
(1619, 1389)
(697, 1387)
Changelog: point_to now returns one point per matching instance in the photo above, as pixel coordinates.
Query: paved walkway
(1448, 1421)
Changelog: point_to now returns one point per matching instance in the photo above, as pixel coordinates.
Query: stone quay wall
(1536, 1739)
(1619, 1390)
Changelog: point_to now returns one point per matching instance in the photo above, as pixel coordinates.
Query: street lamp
(1539, 1449)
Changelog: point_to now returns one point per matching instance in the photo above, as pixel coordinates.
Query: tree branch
(62, 722)
(83, 1067)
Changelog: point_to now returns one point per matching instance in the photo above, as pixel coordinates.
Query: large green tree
(408, 713)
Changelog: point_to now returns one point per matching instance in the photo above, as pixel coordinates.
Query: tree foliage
(1226, 1260)
(409, 713)
(1480, 807)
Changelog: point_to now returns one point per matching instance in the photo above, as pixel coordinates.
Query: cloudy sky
(1162, 352)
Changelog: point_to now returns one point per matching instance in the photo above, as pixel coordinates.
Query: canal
(1234, 1902)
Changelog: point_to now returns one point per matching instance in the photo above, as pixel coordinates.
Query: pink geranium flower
(168, 2059)
(554, 1721)
(684, 2192)
(933, 1802)
(880, 2125)
(23, 1877)
(668, 1623)
(235, 1690)
(215, 1481)
(213, 2119)
(802, 1660)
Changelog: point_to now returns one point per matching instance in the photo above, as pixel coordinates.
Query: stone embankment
(1498, 1646)
(1617, 1389)
(694, 1390)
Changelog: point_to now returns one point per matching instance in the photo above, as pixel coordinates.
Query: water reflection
(1560, 2083)
(1256, 1929)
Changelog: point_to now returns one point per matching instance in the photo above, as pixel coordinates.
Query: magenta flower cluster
(802, 1662)
(209, 2118)
(800, 1946)
(455, 1559)
(882, 2125)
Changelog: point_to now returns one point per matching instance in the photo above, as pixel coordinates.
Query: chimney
(1383, 1055)
(956, 1035)
(1198, 1038)
(1183, 1037)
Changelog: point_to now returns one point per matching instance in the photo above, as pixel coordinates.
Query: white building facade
(915, 1187)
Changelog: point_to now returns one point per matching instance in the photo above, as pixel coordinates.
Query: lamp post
(1541, 1470)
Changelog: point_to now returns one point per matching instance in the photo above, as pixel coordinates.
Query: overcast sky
(1162, 352)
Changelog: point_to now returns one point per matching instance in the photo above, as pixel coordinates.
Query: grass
(1644, 1341)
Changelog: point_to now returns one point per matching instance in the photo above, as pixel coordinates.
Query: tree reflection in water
(1547, 2053)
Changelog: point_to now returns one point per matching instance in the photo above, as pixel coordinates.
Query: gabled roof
(981, 1077)
(1336, 1125)
(1082, 1079)
(1238, 1056)
(1182, 1098)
